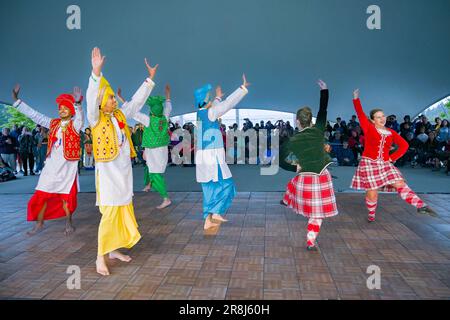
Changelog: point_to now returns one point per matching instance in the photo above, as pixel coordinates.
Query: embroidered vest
(70, 140)
(156, 134)
(104, 137)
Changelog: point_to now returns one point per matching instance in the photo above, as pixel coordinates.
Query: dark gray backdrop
(282, 45)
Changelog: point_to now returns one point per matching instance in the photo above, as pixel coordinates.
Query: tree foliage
(9, 116)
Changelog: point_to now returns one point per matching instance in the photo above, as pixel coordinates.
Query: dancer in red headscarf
(56, 192)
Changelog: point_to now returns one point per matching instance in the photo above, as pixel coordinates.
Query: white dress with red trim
(58, 180)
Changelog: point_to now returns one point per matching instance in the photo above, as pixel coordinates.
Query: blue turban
(201, 95)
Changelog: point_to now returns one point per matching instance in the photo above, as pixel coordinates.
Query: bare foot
(164, 204)
(209, 223)
(101, 266)
(69, 229)
(37, 228)
(218, 217)
(117, 255)
(147, 188)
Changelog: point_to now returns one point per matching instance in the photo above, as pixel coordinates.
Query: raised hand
(15, 92)
(77, 94)
(219, 93)
(322, 85)
(119, 95)
(151, 70)
(356, 94)
(167, 91)
(245, 83)
(97, 61)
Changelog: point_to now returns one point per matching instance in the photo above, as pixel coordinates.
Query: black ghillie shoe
(312, 248)
(282, 203)
(428, 211)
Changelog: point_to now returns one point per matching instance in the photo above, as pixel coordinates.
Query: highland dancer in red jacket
(56, 192)
(376, 170)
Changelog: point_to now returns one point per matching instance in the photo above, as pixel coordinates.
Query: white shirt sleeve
(138, 100)
(167, 109)
(142, 118)
(219, 109)
(93, 111)
(78, 120)
(34, 115)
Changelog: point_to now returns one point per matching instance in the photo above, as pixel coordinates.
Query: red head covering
(66, 100)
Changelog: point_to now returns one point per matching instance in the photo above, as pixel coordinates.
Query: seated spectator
(437, 124)
(355, 143)
(411, 155)
(431, 149)
(406, 126)
(345, 155)
(444, 156)
(423, 122)
(422, 136)
(352, 124)
(392, 123)
(337, 125)
(337, 138)
(443, 134)
(8, 147)
(6, 173)
(340, 126)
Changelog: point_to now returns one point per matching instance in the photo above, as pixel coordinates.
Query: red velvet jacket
(378, 146)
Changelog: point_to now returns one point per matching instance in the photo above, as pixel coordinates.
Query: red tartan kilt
(376, 175)
(312, 195)
(54, 201)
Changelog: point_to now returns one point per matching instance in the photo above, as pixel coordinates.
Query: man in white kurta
(211, 168)
(113, 150)
(114, 179)
(56, 191)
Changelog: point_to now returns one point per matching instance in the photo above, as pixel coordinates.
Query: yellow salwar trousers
(118, 228)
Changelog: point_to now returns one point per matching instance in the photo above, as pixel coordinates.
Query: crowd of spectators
(23, 151)
(429, 143)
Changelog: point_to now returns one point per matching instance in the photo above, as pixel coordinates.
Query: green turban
(156, 104)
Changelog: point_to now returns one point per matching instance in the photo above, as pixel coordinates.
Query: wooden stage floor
(259, 254)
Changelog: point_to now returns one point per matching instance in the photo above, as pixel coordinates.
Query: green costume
(157, 181)
(156, 135)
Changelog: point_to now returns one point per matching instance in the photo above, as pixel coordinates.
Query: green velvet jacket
(307, 146)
